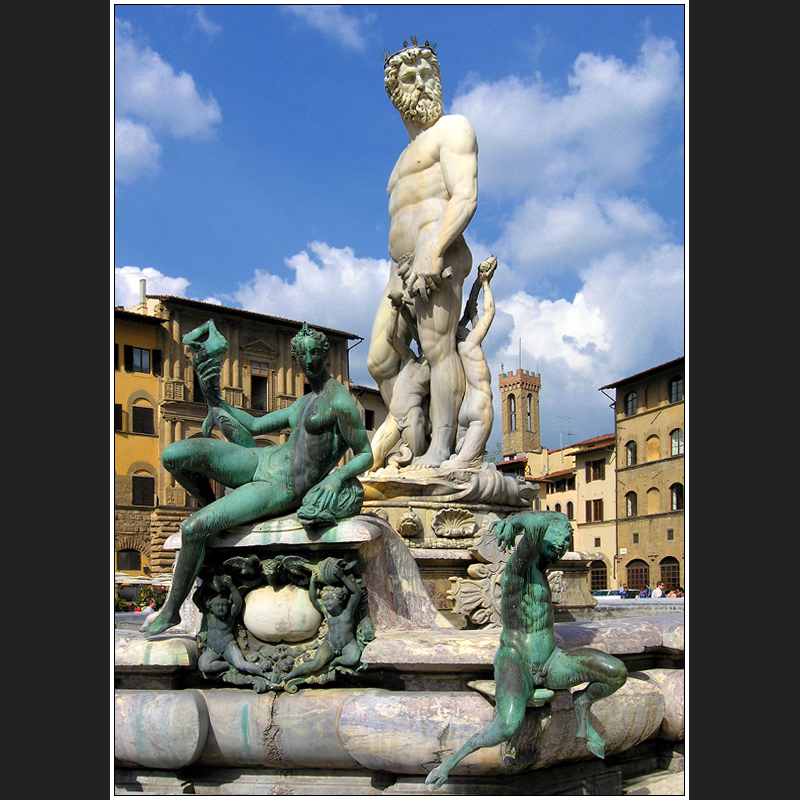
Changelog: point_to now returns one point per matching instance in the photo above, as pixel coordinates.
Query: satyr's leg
(513, 686)
(605, 674)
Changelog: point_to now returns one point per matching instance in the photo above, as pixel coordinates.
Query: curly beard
(419, 107)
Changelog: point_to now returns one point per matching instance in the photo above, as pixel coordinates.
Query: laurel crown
(428, 45)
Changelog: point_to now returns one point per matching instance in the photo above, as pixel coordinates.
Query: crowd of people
(149, 604)
(660, 591)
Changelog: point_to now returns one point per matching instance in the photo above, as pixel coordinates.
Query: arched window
(638, 574)
(653, 501)
(676, 389)
(630, 504)
(653, 448)
(676, 497)
(570, 510)
(512, 413)
(598, 575)
(630, 404)
(676, 442)
(670, 572)
(630, 454)
(558, 507)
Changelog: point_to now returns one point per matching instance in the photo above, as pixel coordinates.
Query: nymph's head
(310, 349)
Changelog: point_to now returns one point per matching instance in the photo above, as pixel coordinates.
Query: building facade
(165, 404)
(650, 476)
(137, 373)
(623, 492)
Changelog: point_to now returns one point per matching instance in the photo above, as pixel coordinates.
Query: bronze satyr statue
(267, 482)
(527, 658)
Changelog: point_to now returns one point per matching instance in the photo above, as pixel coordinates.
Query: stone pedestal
(396, 594)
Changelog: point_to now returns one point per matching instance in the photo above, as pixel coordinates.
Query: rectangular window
(595, 470)
(636, 538)
(259, 386)
(142, 420)
(143, 490)
(594, 510)
(670, 534)
(138, 359)
(597, 541)
(369, 419)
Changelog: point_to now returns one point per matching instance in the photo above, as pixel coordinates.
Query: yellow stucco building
(157, 401)
(650, 476)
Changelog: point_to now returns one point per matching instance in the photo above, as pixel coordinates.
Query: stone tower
(519, 398)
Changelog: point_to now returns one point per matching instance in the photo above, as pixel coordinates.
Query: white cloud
(628, 316)
(126, 284)
(330, 20)
(568, 164)
(600, 132)
(331, 287)
(204, 23)
(135, 150)
(151, 100)
(547, 236)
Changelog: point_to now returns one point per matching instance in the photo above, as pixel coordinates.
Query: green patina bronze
(232, 654)
(297, 476)
(527, 658)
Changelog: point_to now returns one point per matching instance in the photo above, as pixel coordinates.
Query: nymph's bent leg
(195, 462)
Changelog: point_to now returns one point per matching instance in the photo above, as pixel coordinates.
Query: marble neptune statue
(433, 194)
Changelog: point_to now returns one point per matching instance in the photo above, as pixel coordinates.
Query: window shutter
(143, 490)
(143, 420)
(602, 469)
(588, 472)
(117, 417)
(116, 356)
(588, 510)
(127, 351)
(155, 361)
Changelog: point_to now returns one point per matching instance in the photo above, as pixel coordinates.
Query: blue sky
(253, 144)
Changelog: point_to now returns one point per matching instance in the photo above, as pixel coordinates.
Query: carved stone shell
(454, 523)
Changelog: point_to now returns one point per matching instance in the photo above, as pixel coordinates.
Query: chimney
(142, 292)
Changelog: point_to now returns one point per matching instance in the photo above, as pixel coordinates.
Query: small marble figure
(476, 414)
